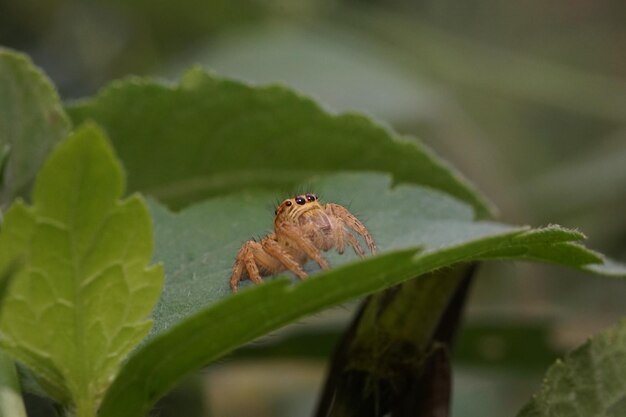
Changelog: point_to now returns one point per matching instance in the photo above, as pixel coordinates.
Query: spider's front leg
(342, 213)
(295, 235)
(273, 248)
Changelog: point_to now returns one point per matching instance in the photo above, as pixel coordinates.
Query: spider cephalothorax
(303, 228)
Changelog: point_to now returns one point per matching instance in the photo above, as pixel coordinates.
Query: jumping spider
(302, 229)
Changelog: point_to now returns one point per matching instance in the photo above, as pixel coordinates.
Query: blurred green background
(527, 99)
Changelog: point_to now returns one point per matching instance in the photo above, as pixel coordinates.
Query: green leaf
(207, 136)
(199, 244)
(80, 303)
(32, 120)
(11, 403)
(590, 381)
(198, 320)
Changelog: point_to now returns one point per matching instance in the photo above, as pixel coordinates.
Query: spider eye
(300, 200)
(275, 212)
(310, 197)
(288, 203)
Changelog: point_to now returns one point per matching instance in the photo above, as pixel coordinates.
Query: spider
(302, 229)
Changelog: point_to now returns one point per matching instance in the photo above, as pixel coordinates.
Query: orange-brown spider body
(303, 228)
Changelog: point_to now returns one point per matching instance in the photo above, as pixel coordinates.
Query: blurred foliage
(526, 98)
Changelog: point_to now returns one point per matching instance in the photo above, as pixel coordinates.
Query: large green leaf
(198, 320)
(590, 381)
(32, 120)
(198, 245)
(80, 302)
(208, 136)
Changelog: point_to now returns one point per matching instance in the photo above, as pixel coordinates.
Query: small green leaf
(208, 136)
(32, 120)
(198, 320)
(80, 302)
(590, 381)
